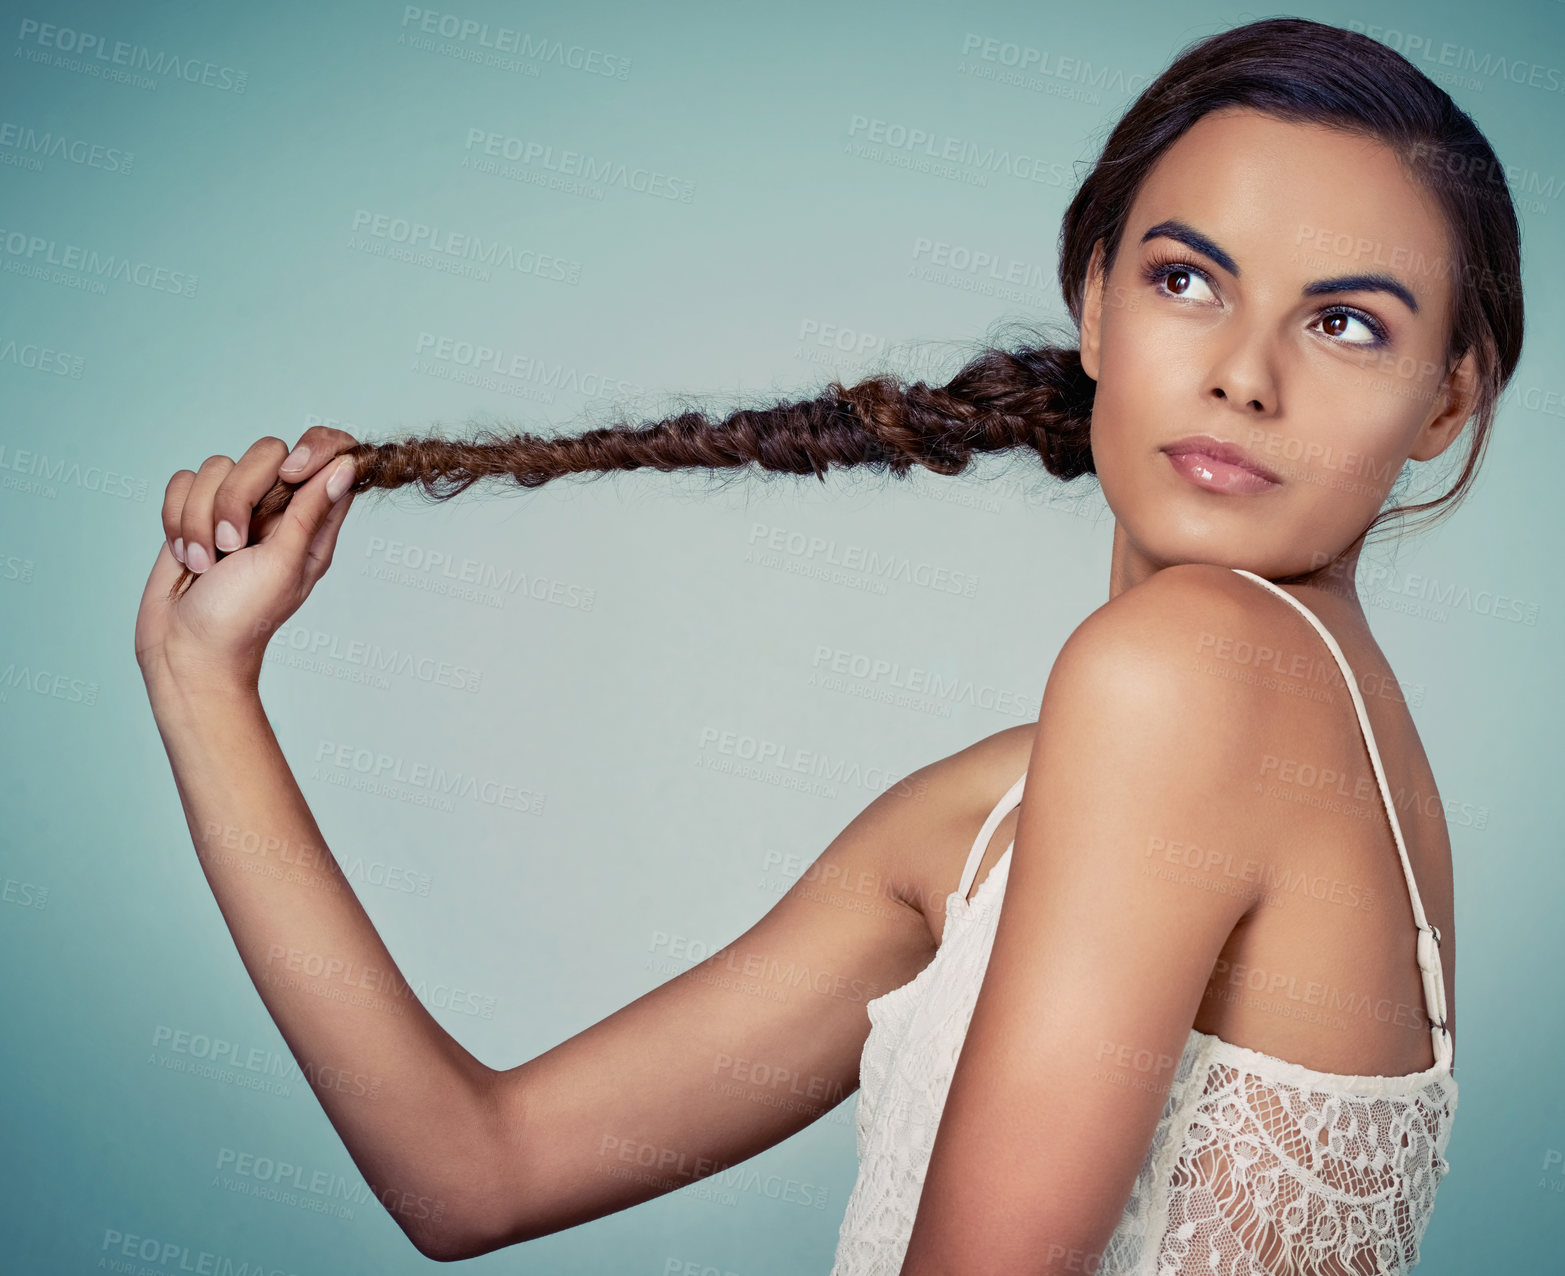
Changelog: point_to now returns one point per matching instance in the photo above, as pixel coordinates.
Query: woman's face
(1214, 324)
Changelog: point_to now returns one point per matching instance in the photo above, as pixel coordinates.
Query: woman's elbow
(447, 1222)
(448, 1238)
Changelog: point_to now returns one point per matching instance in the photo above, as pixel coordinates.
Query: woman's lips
(1218, 467)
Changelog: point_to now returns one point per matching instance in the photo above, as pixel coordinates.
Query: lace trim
(955, 902)
(1258, 1166)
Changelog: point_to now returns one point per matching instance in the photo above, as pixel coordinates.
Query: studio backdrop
(568, 742)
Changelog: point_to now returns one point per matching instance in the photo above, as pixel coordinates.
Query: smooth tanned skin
(1138, 739)
(1141, 742)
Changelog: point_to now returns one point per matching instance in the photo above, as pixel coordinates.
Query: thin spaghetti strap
(1002, 808)
(1428, 935)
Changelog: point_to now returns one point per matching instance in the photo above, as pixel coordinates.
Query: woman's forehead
(1269, 191)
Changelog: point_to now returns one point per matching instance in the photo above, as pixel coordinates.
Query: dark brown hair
(1036, 396)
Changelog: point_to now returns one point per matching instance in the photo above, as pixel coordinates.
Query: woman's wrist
(175, 682)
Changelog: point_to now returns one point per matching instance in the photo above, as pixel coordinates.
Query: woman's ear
(1459, 396)
(1092, 312)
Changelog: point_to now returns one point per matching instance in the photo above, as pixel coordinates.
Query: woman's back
(1305, 1121)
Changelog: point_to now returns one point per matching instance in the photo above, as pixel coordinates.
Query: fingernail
(297, 458)
(195, 557)
(340, 478)
(227, 536)
(179, 548)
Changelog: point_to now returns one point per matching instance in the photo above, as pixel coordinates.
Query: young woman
(1211, 1029)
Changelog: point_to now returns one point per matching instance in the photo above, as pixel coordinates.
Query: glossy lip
(1236, 472)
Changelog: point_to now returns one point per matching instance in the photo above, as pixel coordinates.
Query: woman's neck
(1129, 566)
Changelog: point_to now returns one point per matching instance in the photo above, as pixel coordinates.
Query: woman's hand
(219, 626)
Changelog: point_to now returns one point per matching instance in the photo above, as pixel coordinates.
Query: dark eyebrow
(1365, 283)
(1374, 282)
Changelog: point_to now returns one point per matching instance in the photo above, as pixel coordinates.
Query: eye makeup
(1161, 267)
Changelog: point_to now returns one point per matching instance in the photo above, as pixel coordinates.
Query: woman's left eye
(1342, 316)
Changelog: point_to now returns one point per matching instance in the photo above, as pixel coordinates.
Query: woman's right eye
(1176, 277)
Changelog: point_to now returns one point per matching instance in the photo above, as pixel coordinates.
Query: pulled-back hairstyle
(1037, 396)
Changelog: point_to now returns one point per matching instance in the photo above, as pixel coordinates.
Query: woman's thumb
(310, 505)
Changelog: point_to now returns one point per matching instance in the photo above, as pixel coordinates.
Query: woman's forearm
(413, 1107)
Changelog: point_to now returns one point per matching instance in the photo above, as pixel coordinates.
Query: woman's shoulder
(1208, 631)
(1178, 599)
(1167, 635)
(1205, 674)
(1185, 636)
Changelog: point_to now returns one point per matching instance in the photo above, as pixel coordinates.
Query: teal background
(109, 938)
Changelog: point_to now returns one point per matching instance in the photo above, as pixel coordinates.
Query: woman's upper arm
(736, 1053)
(1099, 961)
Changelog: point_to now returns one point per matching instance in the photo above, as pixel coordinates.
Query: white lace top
(1257, 1166)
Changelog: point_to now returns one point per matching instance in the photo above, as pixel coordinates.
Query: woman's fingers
(323, 444)
(195, 519)
(240, 491)
(208, 512)
(317, 445)
(173, 505)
